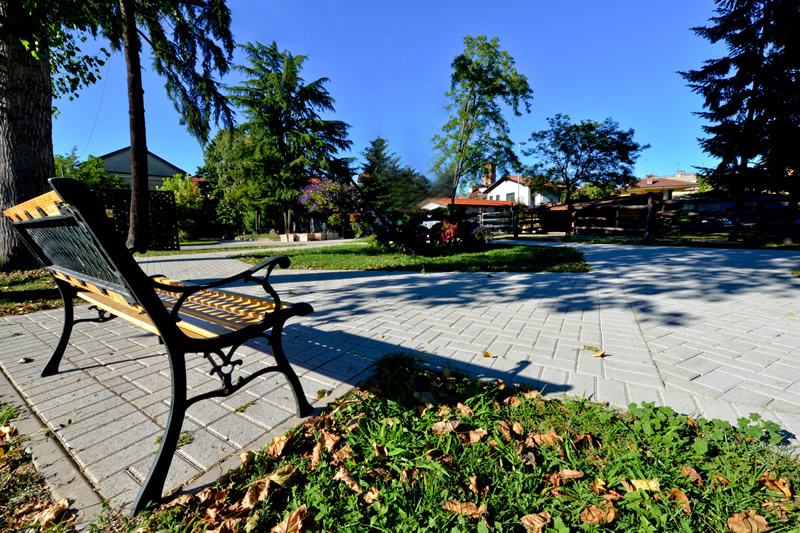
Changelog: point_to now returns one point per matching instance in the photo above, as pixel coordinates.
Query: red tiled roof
(662, 182)
(444, 202)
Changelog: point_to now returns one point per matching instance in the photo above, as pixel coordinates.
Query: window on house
(510, 197)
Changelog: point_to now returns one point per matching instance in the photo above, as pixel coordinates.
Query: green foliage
(404, 450)
(591, 191)
(189, 204)
(91, 172)
(751, 94)
(476, 132)
(572, 155)
(284, 140)
(495, 258)
(388, 185)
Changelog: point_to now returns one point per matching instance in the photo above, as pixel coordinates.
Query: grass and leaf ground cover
(25, 501)
(496, 258)
(417, 450)
(26, 291)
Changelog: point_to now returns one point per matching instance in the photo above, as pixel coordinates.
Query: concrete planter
(305, 237)
(332, 235)
(290, 237)
(320, 236)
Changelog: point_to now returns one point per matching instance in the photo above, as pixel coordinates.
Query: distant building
(472, 205)
(508, 187)
(680, 184)
(119, 163)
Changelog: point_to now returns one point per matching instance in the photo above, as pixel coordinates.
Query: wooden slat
(136, 315)
(86, 286)
(30, 209)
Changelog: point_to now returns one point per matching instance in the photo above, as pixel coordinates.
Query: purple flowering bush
(322, 196)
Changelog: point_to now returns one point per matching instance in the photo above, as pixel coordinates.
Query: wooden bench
(68, 232)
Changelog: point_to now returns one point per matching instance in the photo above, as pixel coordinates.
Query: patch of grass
(199, 243)
(23, 491)
(418, 450)
(796, 273)
(496, 258)
(27, 291)
(158, 253)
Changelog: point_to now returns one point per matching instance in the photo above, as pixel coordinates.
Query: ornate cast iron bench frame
(69, 233)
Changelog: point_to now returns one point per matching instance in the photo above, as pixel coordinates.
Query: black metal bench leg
(67, 293)
(151, 492)
(303, 407)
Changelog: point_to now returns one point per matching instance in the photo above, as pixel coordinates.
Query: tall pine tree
(751, 98)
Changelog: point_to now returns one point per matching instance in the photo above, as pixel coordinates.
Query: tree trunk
(139, 228)
(26, 128)
(790, 232)
(648, 225)
(570, 214)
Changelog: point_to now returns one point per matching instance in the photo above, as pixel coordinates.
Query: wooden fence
(628, 215)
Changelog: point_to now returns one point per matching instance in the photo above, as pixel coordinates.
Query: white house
(516, 189)
(471, 205)
(119, 163)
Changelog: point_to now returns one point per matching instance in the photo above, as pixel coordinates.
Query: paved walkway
(713, 333)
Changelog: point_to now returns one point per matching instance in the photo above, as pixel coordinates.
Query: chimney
(489, 174)
(650, 179)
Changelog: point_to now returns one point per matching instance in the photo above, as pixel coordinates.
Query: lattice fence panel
(162, 216)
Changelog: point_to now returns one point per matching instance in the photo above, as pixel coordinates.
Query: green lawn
(497, 258)
(26, 291)
(415, 450)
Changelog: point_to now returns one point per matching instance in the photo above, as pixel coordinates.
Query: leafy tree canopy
(91, 172)
(284, 141)
(386, 183)
(571, 155)
(484, 79)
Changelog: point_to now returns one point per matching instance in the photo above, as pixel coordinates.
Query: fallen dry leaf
(692, 422)
(51, 514)
(748, 522)
(256, 492)
(371, 495)
(473, 436)
(679, 496)
(330, 439)
(646, 484)
(316, 455)
(354, 423)
(467, 509)
(343, 454)
(627, 485)
(601, 353)
(487, 355)
(517, 428)
(24, 360)
(229, 525)
(598, 486)
(532, 395)
(445, 426)
(595, 515)
(380, 451)
(535, 523)
(505, 429)
(473, 484)
(570, 474)
(719, 480)
(501, 384)
(776, 484)
(298, 521)
(343, 475)
(776, 508)
(512, 401)
(283, 476)
(551, 438)
(463, 410)
(278, 445)
(247, 458)
(692, 474)
(612, 496)
(182, 500)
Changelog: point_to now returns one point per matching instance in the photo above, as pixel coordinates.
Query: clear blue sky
(389, 67)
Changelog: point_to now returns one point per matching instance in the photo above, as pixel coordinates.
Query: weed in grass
(184, 438)
(242, 408)
(415, 449)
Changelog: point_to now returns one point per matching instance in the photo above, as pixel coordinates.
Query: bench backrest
(68, 231)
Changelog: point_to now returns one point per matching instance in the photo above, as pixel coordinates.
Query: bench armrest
(248, 275)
